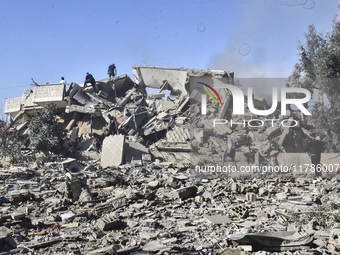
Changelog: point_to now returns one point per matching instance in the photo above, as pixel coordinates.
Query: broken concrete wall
(176, 78)
(49, 93)
(13, 106)
(23, 104)
(154, 77)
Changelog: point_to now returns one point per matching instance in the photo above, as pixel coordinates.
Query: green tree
(45, 133)
(11, 145)
(318, 70)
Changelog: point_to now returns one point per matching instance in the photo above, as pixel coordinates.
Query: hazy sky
(47, 39)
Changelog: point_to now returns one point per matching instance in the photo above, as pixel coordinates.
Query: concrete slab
(113, 151)
(162, 105)
(82, 98)
(179, 134)
(108, 223)
(184, 193)
(218, 219)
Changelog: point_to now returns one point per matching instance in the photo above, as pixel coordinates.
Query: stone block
(185, 193)
(238, 211)
(153, 184)
(108, 223)
(70, 214)
(235, 187)
(156, 95)
(222, 130)
(18, 215)
(119, 202)
(250, 197)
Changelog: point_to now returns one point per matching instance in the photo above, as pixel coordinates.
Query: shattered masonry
(140, 194)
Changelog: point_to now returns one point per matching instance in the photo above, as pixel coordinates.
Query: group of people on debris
(111, 71)
(112, 128)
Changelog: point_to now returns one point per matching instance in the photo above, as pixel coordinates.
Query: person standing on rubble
(111, 70)
(314, 151)
(94, 146)
(230, 151)
(65, 84)
(89, 79)
(113, 125)
(63, 81)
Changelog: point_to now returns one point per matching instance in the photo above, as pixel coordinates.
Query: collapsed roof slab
(121, 83)
(177, 78)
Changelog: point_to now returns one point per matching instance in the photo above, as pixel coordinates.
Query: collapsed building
(142, 194)
(168, 120)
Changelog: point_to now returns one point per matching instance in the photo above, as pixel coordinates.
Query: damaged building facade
(160, 185)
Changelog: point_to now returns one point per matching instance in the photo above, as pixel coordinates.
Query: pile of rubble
(80, 208)
(142, 192)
